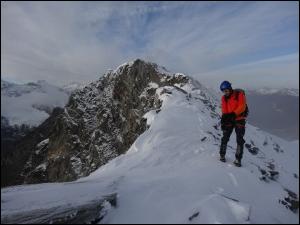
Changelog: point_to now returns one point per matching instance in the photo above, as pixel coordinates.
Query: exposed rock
(268, 175)
(193, 216)
(23, 150)
(291, 201)
(252, 149)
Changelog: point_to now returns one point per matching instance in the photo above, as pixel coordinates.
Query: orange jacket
(232, 105)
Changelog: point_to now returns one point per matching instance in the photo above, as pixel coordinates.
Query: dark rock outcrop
(15, 155)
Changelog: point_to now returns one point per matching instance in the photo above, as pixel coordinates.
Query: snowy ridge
(171, 173)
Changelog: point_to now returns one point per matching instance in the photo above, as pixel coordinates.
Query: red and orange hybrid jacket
(233, 104)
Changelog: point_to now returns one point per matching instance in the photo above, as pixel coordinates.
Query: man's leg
(226, 135)
(240, 132)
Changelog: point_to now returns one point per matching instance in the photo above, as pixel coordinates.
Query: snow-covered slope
(30, 103)
(171, 174)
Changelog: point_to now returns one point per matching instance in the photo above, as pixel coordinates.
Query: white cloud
(276, 72)
(63, 42)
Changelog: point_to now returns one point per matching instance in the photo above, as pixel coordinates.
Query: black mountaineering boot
(237, 163)
(222, 158)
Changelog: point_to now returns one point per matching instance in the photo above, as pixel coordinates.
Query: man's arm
(225, 119)
(223, 105)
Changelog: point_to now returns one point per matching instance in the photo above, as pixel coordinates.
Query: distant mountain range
(30, 103)
(275, 111)
(279, 91)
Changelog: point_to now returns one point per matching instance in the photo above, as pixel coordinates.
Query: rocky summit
(99, 122)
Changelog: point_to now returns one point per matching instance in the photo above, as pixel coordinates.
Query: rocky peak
(100, 122)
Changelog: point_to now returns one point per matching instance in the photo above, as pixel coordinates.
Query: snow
(42, 143)
(150, 116)
(76, 164)
(179, 75)
(122, 66)
(172, 173)
(153, 85)
(42, 167)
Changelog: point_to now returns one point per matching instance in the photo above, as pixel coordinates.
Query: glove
(231, 116)
(227, 119)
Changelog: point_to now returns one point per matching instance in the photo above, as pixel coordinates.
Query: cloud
(225, 35)
(53, 42)
(277, 72)
(63, 42)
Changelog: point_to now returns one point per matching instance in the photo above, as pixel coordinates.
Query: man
(233, 117)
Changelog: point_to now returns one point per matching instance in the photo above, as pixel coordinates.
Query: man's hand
(231, 116)
(227, 119)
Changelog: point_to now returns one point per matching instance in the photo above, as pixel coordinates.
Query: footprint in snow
(196, 151)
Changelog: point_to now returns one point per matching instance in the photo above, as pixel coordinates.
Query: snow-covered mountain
(30, 103)
(280, 91)
(170, 172)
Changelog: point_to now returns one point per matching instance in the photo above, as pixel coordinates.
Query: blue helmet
(225, 85)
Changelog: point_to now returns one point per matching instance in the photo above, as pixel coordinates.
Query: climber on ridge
(234, 113)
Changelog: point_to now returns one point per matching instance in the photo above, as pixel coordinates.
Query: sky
(249, 43)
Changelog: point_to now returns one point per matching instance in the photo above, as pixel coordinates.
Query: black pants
(239, 127)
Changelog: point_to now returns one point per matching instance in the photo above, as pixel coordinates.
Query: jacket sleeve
(241, 104)
(224, 105)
